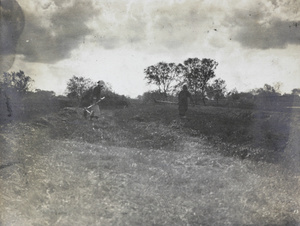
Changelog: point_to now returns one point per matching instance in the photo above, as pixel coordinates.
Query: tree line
(197, 74)
(193, 72)
(80, 89)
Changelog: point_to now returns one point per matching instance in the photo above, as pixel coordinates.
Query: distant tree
(277, 87)
(267, 90)
(107, 88)
(151, 96)
(87, 96)
(217, 89)
(267, 97)
(13, 87)
(296, 91)
(197, 74)
(45, 93)
(17, 81)
(77, 86)
(164, 75)
(233, 94)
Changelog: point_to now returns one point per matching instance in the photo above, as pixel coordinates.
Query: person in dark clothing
(8, 105)
(97, 91)
(183, 97)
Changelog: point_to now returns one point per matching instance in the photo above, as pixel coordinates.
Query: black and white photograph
(147, 112)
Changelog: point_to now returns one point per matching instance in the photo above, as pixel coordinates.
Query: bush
(14, 106)
(111, 99)
(245, 104)
(151, 96)
(114, 100)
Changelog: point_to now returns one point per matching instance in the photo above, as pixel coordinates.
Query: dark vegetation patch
(245, 133)
(259, 135)
(112, 128)
(243, 127)
(86, 174)
(30, 105)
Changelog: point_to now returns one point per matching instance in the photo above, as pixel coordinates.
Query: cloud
(178, 24)
(277, 34)
(54, 29)
(120, 23)
(265, 26)
(151, 25)
(51, 35)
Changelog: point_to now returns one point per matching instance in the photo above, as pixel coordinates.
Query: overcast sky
(255, 42)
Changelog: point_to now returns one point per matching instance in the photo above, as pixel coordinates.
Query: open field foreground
(136, 166)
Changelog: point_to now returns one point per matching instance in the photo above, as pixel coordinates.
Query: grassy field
(144, 166)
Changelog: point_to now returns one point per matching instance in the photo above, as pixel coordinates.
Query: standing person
(183, 96)
(97, 91)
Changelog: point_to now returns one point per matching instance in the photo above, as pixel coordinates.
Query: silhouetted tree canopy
(198, 73)
(164, 75)
(296, 91)
(77, 86)
(217, 89)
(267, 90)
(17, 81)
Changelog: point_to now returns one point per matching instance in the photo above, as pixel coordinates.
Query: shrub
(114, 100)
(111, 99)
(153, 96)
